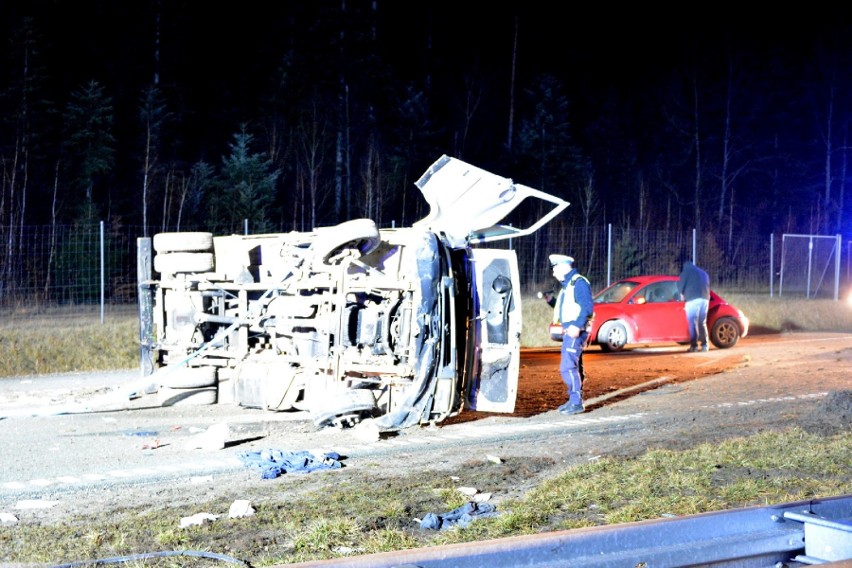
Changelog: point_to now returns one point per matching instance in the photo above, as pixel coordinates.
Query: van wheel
(187, 377)
(168, 396)
(359, 234)
(183, 242)
(344, 409)
(183, 262)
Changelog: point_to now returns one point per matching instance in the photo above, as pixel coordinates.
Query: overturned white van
(401, 326)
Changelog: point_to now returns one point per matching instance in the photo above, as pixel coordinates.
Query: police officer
(574, 309)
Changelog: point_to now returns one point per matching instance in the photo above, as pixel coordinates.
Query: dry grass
(68, 345)
(779, 314)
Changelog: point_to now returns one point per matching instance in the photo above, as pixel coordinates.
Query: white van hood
(467, 203)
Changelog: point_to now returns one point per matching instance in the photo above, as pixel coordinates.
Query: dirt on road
(775, 363)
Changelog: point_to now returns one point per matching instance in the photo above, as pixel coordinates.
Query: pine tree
(89, 145)
(245, 188)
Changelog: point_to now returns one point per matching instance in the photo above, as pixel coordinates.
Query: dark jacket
(693, 283)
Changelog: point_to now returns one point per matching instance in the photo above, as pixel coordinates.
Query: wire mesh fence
(606, 254)
(69, 270)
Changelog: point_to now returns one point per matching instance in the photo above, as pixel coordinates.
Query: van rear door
(497, 331)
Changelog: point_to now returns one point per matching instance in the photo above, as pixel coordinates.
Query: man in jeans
(694, 288)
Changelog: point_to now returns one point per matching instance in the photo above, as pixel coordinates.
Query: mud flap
(497, 329)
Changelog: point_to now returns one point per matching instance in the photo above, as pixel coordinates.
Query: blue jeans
(696, 321)
(571, 366)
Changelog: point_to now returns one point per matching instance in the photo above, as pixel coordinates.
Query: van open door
(497, 330)
(467, 204)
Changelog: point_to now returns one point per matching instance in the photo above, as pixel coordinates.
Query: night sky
(222, 55)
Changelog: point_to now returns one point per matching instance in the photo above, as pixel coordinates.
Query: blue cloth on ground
(274, 463)
(460, 517)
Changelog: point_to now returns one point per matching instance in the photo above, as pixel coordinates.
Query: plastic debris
(474, 494)
(214, 438)
(197, 519)
(240, 508)
(35, 504)
(8, 518)
(367, 431)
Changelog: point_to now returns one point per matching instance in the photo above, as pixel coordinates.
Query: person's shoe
(705, 348)
(569, 409)
(692, 349)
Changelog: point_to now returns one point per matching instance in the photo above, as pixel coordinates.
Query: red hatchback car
(648, 309)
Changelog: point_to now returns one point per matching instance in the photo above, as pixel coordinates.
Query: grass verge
(365, 513)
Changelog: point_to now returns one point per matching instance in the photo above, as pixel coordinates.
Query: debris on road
(8, 518)
(460, 517)
(274, 463)
(213, 438)
(241, 508)
(197, 519)
(35, 504)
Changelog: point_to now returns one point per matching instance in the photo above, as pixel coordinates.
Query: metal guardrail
(803, 533)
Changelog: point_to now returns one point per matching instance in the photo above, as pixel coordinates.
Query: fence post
(103, 284)
(838, 246)
(771, 265)
(694, 246)
(608, 254)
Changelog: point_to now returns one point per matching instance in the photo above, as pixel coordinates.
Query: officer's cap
(559, 259)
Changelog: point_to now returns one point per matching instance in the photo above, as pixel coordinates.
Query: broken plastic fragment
(197, 519)
(240, 508)
(35, 504)
(214, 438)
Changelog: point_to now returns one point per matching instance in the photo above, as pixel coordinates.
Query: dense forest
(176, 114)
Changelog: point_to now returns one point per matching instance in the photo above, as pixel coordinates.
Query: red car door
(658, 315)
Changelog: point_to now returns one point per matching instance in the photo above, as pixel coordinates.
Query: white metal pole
(102, 271)
(609, 254)
(771, 265)
(838, 244)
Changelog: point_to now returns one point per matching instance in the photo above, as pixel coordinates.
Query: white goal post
(806, 262)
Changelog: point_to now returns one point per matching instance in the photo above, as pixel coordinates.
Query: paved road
(71, 433)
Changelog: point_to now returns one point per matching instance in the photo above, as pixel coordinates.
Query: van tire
(183, 242)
